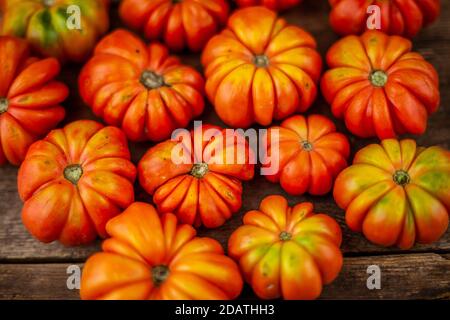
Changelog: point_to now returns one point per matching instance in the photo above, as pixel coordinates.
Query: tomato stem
(261, 61)
(285, 236)
(401, 177)
(378, 78)
(4, 103)
(160, 274)
(306, 145)
(199, 170)
(152, 80)
(73, 173)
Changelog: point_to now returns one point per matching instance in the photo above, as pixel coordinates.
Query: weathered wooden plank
(411, 276)
(17, 245)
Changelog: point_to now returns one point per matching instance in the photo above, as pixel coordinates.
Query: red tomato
(379, 87)
(179, 23)
(29, 98)
(140, 88)
(311, 154)
(201, 190)
(399, 17)
(74, 181)
(277, 5)
(287, 252)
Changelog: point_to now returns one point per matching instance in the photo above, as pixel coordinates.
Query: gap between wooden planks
(413, 276)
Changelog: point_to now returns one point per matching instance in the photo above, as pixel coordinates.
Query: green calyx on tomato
(152, 80)
(160, 274)
(306, 145)
(401, 177)
(199, 170)
(378, 78)
(261, 61)
(285, 236)
(4, 103)
(73, 173)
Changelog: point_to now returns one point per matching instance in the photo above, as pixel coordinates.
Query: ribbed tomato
(64, 29)
(287, 252)
(180, 23)
(152, 258)
(277, 5)
(379, 87)
(140, 88)
(260, 68)
(310, 154)
(29, 98)
(399, 17)
(397, 193)
(185, 178)
(74, 181)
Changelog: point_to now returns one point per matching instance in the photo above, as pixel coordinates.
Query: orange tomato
(152, 258)
(287, 252)
(74, 181)
(379, 87)
(140, 88)
(29, 99)
(260, 68)
(200, 189)
(397, 193)
(310, 154)
(179, 23)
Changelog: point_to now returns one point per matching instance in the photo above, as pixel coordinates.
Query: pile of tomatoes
(77, 182)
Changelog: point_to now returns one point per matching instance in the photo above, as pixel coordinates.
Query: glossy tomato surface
(397, 193)
(379, 86)
(140, 88)
(277, 5)
(30, 98)
(396, 17)
(192, 177)
(180, 24)
(309, 154)
(74, 181)
(148, 257)
(260, 68)
(287, 252)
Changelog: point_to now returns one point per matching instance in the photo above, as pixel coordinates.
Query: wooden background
(32, 270)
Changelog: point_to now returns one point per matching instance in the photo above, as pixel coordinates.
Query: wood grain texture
(43, 277)
(409, 276)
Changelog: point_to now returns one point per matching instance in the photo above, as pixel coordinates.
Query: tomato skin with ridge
(379, 87)
(310, 154)
(198, 187)
(287, 252)
(260, 69)
(74, 180)
(153, 258)
(396, 193)
(179, 24)
(140, 88)
(397, 17)
(276, 5)
(30, 98)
